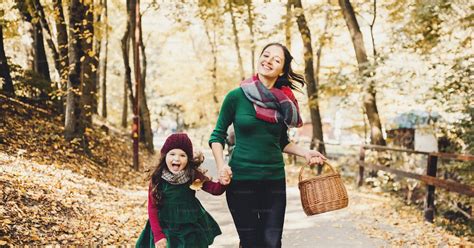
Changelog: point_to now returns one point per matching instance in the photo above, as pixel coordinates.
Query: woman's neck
(268, 82)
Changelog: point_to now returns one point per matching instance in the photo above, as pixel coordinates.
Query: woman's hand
(225, 174)
(314, 157)
(161, 243)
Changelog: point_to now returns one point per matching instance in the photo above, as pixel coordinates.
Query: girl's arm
(153, 217)
(213, 188)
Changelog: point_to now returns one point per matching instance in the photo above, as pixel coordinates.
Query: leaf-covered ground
(37, 135)
(47, 205)
(52, 193)
(71, 197)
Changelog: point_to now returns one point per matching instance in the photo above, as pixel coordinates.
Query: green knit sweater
(258, 144)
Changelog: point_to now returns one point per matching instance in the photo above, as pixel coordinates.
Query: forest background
(370, 66)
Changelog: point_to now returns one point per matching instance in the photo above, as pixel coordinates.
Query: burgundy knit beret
(178, 141)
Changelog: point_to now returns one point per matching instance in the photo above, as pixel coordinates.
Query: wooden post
(430, 190)
(361, 165)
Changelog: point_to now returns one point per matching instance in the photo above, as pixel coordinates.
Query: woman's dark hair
(289, 77)
(191, 167)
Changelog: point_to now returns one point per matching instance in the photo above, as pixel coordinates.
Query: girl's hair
(289, 77)
(191, 167)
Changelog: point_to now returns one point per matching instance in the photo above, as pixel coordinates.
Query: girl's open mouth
(175, 166)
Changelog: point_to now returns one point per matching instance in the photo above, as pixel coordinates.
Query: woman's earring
(281, 74)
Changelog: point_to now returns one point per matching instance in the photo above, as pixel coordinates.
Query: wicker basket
(322, 193)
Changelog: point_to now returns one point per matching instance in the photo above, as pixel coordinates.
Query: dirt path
(42, 204)
(371, 220)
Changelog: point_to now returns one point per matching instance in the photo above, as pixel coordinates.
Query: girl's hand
(161, 243)
(225, 174)
(314, 157)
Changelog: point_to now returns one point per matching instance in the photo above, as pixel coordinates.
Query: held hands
(314, 158)
(161, 243)
(225, 174)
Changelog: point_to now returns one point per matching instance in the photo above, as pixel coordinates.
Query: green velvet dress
(183, 220)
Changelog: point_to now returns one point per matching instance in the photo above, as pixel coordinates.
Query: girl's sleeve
(213, 188)
(226, 117)
(153, 217)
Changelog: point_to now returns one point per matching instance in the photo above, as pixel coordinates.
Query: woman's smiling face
(270, 63)
(176, 160)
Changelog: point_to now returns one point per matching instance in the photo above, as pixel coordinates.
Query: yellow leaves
(47, 212)
(196, 185)
(45, 190)
(35, 237)
(6, 222)
(91, 53)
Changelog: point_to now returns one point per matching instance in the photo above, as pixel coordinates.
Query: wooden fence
(430, 179)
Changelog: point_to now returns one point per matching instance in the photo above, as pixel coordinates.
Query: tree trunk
(312, 87)
(125, 105)
(74, 127)
(40, 62)
(236, 41)
(369, 97)
(126, 62)
(96, 59)
(26, 16)
(147, 135)
(4, 68)
(49, 40)
(87, 75)
(374, 51)
(212, 42)
(62, 41)
(288, 25)
(104, 62)
(250, 22)
(210, 15)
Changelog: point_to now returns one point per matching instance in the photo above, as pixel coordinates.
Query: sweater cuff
(217, 140)
(159, 237)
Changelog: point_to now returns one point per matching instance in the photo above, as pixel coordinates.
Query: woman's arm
(312, 157)
(217, 139)
(224, 171)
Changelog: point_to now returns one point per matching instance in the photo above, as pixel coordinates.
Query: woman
(261, 109)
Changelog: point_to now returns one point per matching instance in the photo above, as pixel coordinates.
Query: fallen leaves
(51, 194)
(38, 136)
(388, 218)
(45, 205)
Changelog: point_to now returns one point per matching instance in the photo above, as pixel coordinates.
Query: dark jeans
(258, 210)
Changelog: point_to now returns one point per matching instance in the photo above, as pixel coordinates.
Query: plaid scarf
(272, 105)
(179, 178)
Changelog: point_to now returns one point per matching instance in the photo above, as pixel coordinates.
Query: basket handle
(324, 163)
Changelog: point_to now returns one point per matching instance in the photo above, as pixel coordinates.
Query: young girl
(176, 217)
